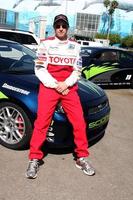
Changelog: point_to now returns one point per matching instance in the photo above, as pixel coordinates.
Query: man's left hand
(61, 86)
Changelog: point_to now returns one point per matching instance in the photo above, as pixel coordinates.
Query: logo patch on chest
(56, 60)
(71, 46)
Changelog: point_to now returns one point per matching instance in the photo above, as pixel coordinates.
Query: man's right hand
(61, 87)
(65, 92)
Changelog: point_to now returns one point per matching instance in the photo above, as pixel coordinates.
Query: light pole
(66, 5)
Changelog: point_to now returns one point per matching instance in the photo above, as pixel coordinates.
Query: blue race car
(18, 102)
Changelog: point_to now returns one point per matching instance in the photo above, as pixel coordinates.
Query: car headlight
(99, 107)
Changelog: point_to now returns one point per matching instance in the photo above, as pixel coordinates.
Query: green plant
(127, 41)
(113, 38)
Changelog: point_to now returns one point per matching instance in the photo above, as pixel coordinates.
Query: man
(58, 69)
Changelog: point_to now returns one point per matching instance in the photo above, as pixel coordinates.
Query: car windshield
(22, 38)
(87, 51)
(16, 58)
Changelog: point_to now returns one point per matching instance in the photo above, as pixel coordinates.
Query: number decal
(128, 77)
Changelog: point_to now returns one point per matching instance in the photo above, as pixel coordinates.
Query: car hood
(89, 92)
(90, 89)
(86, 88)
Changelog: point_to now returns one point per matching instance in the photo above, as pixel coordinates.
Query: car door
(103, 64)
(125, 73)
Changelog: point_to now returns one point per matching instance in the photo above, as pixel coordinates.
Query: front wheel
(15, 126)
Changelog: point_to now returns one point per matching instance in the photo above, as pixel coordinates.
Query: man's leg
(72, 106)
(47, 101)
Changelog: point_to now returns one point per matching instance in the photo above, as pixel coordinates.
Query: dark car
(107, 66)
(18, 102)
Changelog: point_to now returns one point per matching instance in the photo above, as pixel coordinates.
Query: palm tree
(105, 15)
(110, 8)
(106, 3)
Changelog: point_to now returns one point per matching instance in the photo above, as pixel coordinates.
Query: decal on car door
(94, 70)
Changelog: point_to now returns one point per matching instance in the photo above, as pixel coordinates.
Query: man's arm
(75, 75)
(41, 67)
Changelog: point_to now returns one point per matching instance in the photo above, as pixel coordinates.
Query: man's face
(61, 29)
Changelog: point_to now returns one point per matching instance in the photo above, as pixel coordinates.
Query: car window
(85, 43)
(125, 57)
(107, 56)
(16, 58)
(7, 51)
(18, 37)
(85, 52)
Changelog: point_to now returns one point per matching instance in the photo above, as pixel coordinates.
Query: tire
(15, 126)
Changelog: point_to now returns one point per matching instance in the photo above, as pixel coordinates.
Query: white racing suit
(58, 61)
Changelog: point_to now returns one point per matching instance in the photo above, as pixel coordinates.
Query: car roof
(103, 47)
(95, 50)
(17, 31)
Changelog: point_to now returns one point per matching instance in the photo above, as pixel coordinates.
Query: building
(86, 25)
(8, 19)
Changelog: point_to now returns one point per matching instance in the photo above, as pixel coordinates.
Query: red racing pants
(47, 101)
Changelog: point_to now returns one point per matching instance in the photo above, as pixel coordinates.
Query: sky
(67, 7)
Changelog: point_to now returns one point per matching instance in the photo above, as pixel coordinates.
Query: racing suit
(58, 61)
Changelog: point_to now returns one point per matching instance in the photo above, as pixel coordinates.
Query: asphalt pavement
(59, 179)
